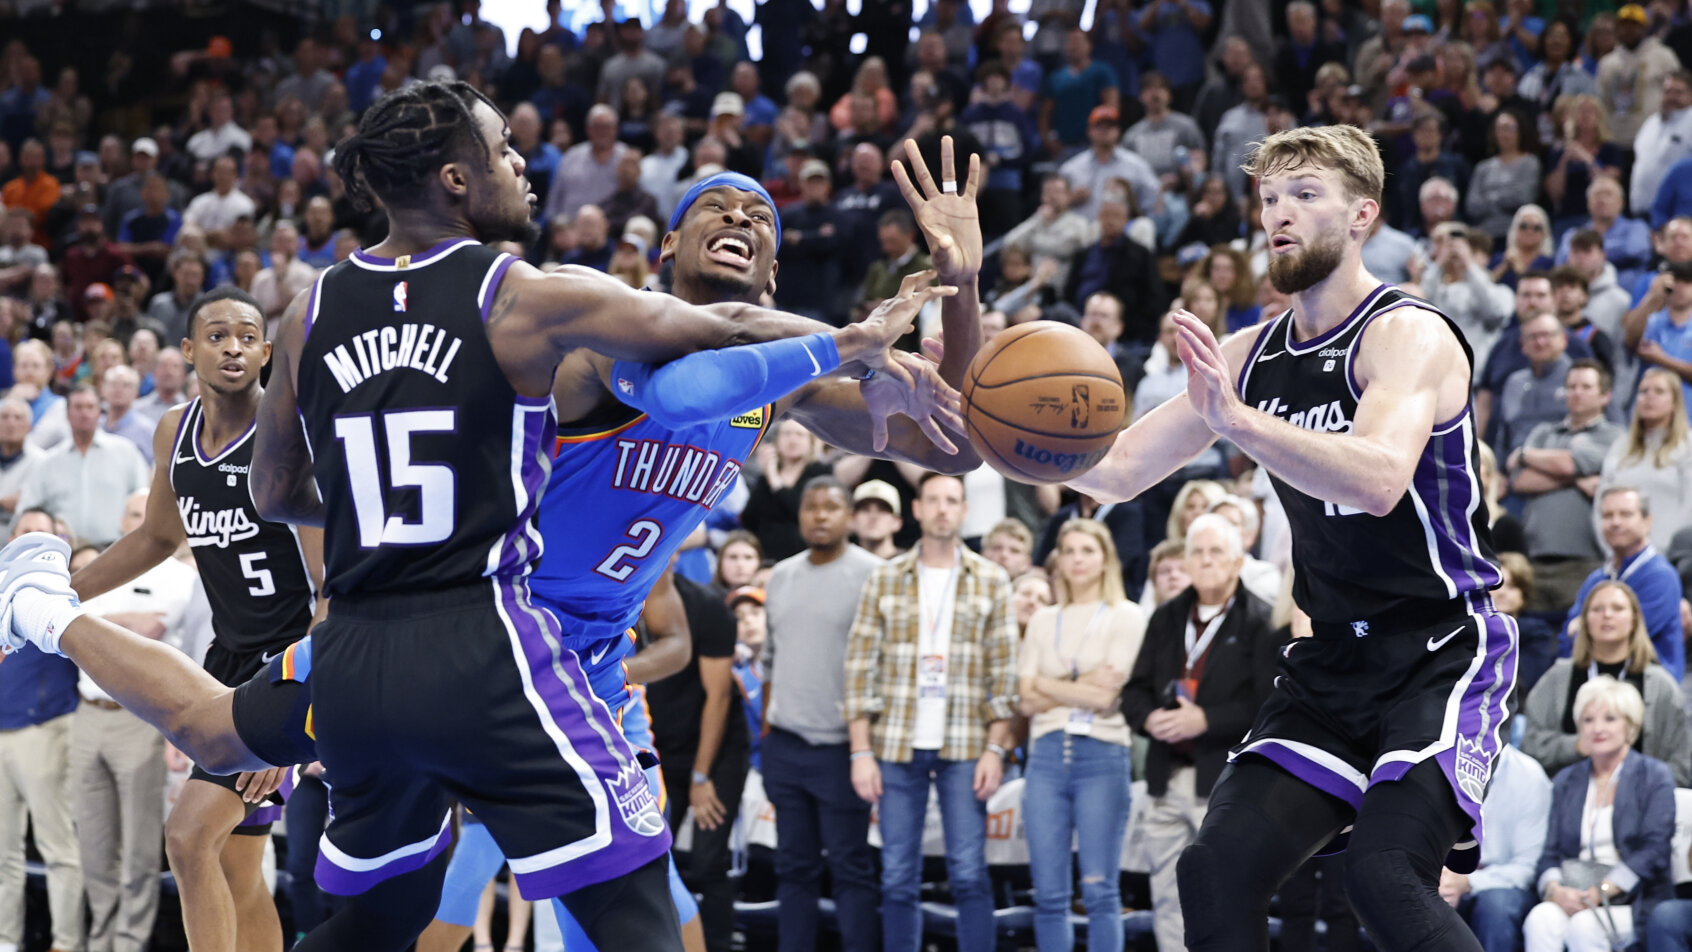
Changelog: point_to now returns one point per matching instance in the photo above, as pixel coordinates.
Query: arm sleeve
(713, 384)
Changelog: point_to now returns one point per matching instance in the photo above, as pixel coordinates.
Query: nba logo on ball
(634, 801)
(1043, 402)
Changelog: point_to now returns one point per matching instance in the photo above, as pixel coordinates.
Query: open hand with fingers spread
(913, 387)
(945, 212)
(1210, 382)
(870, 341)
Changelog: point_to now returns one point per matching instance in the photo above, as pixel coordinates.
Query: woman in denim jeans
(1073, 663)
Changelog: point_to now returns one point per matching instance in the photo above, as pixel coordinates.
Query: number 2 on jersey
(435, 482)
(642, 534)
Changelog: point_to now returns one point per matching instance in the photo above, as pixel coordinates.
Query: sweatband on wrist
(717, 384)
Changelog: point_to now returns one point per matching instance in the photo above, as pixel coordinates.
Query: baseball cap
(1104, 114)
(728, 104)
(1634, 12)
(813, 168)
(220, 48)
(90, 210)
(145, 144)
(1417, 23)
(128, 272)
(876, 490)
(99, 290)
(745, 593)
(634, 241)
(87, 158)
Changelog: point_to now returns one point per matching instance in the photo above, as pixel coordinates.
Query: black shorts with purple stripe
(237, 668)
(467, 694)
(1361, 704)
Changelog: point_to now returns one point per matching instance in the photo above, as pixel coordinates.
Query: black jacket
(1237, 679)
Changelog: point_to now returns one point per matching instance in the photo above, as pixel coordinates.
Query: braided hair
(407, 135)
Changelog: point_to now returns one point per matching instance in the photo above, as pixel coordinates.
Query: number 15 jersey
(429, 463)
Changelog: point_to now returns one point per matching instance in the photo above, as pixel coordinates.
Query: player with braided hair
(422, 371)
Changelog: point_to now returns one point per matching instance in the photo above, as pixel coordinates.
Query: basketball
(1043, 402)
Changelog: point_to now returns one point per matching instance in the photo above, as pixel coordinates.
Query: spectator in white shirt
(221, 132)
(17, 457)
(217, 210)
(86, 479)
(275, 286)
(1461, 288)
(1091, 171)
(1664, 139)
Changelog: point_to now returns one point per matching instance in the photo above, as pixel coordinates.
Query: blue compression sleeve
(717, 384)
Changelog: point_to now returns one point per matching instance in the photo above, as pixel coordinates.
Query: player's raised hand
(918, 393)
(946, 212)
(894, 317)
(1210, 384)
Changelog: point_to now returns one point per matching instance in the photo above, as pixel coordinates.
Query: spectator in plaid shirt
(930, 690)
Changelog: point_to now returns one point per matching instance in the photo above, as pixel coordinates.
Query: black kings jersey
(1349, 565)
(254, 571)
(429, 463)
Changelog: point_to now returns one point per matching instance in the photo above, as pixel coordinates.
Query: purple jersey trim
(1297, 349)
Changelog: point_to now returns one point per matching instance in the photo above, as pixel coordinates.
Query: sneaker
(34, 560)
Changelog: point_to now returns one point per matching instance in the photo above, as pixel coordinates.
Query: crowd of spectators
(1539, 192)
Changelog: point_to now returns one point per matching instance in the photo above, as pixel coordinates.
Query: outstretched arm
(160, 532)
(1410, 366)
(1159, 443)
(952, 226)
(282, 481)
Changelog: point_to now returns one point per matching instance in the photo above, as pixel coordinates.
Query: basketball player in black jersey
(261, 578)
(1386, 723)
(422, 371)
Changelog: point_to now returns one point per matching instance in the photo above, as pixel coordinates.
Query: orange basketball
(1043, 402)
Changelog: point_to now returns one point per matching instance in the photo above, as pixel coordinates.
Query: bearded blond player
(1380, 735)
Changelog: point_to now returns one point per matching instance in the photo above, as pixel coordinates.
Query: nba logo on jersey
(635, 803)
(399, 297)
(625, 385)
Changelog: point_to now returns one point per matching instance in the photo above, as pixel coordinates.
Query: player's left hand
(1210, 382)
(255, 786)
(912, 385)
(708, 811)
(949, 220)
(989, 773)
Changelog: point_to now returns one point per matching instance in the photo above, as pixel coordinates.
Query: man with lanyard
(1206, 665)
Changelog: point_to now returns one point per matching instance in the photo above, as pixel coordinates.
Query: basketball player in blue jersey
(650, 450)
(1386, 723)
(438, 157)
(261, 579)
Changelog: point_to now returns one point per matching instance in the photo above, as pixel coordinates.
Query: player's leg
(384, 918)
(1262, 824)
(257, 925)
(1403, 833)
(633, 911)
(475, 862)
(517, 911)
(199, 828)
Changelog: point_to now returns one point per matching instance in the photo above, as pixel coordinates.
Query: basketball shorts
(1361, 704)
(236, 668)
(466, 694)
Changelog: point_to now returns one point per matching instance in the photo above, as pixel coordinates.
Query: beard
(1303, 270)
(525, 232)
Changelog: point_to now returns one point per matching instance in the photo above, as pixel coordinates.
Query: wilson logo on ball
(1062, 462)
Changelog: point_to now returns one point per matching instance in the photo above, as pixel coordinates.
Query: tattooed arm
(283, 485)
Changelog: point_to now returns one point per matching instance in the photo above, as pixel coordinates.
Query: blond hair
(1639, 651)
(1621, 697)
(1678, 431)
(1209, 488)
(1345, 150)
(1110, 586)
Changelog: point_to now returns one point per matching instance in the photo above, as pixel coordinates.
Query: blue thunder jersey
(622, 499)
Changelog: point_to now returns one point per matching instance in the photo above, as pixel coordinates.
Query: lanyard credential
(1086, 633)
